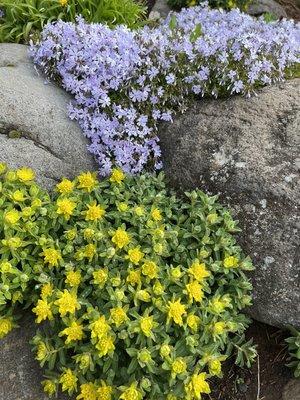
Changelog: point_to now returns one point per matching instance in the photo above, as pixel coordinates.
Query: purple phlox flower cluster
(124, 82)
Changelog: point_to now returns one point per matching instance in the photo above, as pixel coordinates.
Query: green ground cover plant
(23, 20)
(142, 291)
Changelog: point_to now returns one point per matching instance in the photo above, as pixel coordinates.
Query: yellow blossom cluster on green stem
(141, 290)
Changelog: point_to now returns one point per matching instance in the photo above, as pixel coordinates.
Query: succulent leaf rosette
(142, 291)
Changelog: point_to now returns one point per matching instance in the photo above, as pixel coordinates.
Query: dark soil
(269, 369)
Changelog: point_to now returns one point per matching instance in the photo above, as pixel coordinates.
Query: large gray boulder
(34, 126)
(247, 150)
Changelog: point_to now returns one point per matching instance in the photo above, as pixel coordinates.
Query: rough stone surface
(161, 7)
(248, 150)
(20, 374)
(49, 141)
(260, 7)
(292, 390)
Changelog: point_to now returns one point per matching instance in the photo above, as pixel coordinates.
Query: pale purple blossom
(124, 82)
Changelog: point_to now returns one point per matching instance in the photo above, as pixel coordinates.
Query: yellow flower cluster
(130, 280)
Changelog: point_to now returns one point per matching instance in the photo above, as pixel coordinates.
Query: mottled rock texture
(20, 374)
(292, 390)
(247, 150)
(34, 127)
(260, 7)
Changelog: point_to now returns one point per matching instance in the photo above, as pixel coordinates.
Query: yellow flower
(36, 203)
(17, 296)
(231, 262)
(6, 267)
(99, 328)
(122, 207)
(49, 387)
(100, 276)
(73, 278)
(118, 315)
(133, 277)
(65, 186)
(135, 255)
(63, 2)
(18, 195)
(193, 322)
(117, 176)
(14, 242)
(144, 356)
(3, 168)
(10, 176)
(219, 328)
(158, 288)
(218, 304)
(105, 346)
(42, 311)
(176, 273)
(194, 290)
(67, 303)
(88, 391)
(156, 214)
(178, 366)
(71, 234)
(215, 367)
(150, 269)
(51, 257)
(46, 290)
(131, 393)
(94, 213)
(104, 392)
(139, 211)
(197, 386)
(87, 181)
(146, 325)
(176, 311)
(12, 216)
(74, 332)
(120, 238)
(90, 251)
(6, 326)
(143, 295)
(42, 351)
(68, 380)
(212, 218)
(88, 233)
(65, 207)
(165, 350)
(199, 271)
(25, 174)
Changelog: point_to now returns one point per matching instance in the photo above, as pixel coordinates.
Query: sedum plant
(143, 291)
(22, 20)
(294, 351)
(23, 207)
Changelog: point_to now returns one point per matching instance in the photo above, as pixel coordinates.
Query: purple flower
(124, 82)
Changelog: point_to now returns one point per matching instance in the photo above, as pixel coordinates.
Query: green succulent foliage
(22, 209)
(142, 290)
(294, 351)
(226, 4)
(24, 19)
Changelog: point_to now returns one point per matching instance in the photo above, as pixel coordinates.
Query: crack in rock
(26, 135)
